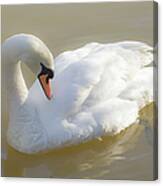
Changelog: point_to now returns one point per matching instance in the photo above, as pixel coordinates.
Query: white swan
(97, 90)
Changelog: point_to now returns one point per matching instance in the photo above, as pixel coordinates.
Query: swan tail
(140, 89)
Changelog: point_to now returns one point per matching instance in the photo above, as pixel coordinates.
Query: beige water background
(128, 155)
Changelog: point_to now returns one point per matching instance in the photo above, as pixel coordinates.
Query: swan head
(35, 54)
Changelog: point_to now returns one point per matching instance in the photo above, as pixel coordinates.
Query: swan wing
(94, 74)
(107, 118)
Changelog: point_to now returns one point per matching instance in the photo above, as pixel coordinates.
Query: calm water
(128, 155)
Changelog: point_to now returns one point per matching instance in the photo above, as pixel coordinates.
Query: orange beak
(46, 85)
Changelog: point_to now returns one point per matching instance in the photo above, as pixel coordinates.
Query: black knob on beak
(47, 71)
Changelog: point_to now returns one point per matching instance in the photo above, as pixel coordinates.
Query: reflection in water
(111, 157)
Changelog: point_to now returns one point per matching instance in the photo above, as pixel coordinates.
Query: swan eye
(47, 71)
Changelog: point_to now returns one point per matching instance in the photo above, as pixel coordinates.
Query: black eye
(45, 70)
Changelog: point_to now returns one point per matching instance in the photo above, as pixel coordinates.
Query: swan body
(98, 90)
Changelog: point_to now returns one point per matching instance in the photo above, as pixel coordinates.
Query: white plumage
(97, 90)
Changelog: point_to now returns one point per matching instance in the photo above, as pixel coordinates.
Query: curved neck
(17, 91)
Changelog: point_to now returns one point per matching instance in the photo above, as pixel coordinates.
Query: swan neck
(16, 86)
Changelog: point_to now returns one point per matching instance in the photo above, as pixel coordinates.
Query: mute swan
(97, 90)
